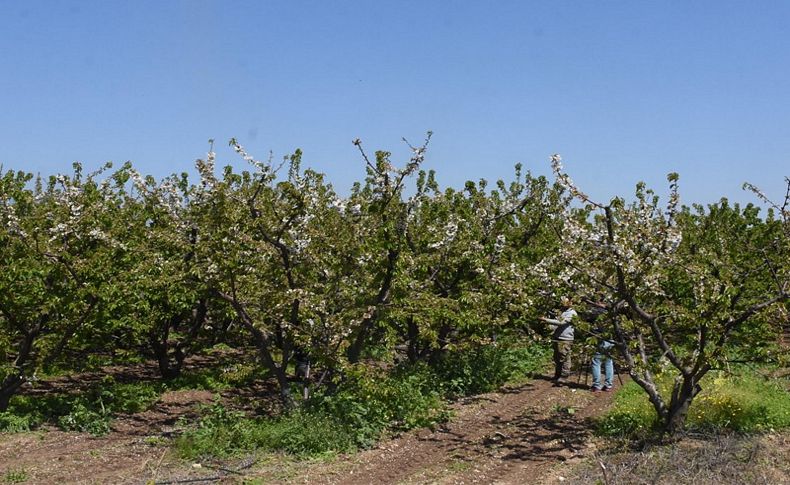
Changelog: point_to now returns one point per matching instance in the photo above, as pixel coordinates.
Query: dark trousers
(562, 358)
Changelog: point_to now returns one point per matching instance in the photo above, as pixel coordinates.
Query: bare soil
(133, 452)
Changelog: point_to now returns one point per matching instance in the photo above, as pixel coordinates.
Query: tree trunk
(282, 380)
(170, 358)
(13, 382)
(682, 396)
(10, 386)
(167, 369)
(159, 344)
(263, 343)
(354, 351)
(413, 348)
(441, 344)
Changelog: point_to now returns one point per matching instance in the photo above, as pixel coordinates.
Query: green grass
(747, 403)
(631, 414)
(744, 403)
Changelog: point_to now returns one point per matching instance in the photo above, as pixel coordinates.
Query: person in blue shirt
(603, 352)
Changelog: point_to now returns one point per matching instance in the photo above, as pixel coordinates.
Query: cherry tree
(465, 272)
(164, 302)
(679, 284)
(57, 253)
(307, 272)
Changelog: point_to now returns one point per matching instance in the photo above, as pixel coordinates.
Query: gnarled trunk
(683, 393)
(8, 388)
(263, 343)
(170, 357)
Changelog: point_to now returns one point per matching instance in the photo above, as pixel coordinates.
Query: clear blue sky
(625, 91)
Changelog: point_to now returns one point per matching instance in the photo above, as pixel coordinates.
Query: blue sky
(625, 91)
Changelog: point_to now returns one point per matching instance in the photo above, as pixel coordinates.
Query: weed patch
(743, 403)
(15, 476)
(94, 410)
(221, 432)
(370, 402)
(90, 412)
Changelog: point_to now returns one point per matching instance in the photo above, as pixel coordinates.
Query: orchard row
(272, 257)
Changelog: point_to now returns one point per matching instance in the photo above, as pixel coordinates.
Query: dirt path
(518, 435)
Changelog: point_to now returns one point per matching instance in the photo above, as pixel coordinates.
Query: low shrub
(83, 418)
(204, 380)
(217, 378)
(128, 398)
(370, 402)
(367, 404)
(15, 423)
(487, 368)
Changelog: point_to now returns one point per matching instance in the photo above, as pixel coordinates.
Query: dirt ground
(131, 453)
(722, 459)
(517, 435)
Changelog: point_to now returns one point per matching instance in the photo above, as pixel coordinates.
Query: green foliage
(745, 403)
(207, 380)
(11, 422)
(486, 368)
(221, 432)
(90, 412)
(215, 378)
(15, 475)
(93, 410)
(367, 404)
(371, 402)
(130, 398)
(84, 417)
(58, 261)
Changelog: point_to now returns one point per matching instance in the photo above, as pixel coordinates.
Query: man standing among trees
(562, 339)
